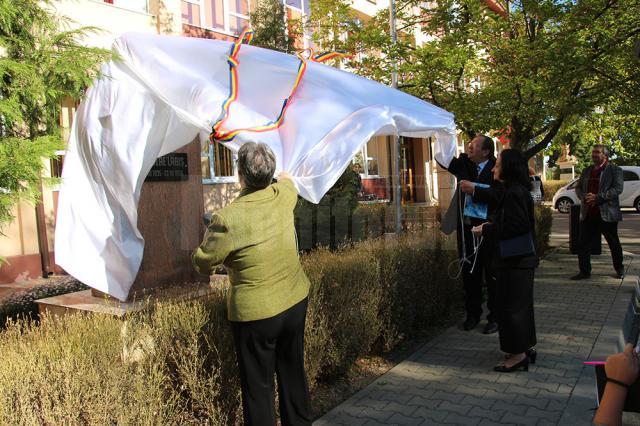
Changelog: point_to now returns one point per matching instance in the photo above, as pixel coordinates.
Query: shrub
(23, 303)
(160, 367)
(175, 363)
(551, 187)
(544, 220)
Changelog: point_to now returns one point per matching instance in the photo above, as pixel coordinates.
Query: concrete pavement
(450, 379)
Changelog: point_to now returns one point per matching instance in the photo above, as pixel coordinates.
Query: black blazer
(465, 169)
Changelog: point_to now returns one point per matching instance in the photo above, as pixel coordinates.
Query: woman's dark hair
(513, 168)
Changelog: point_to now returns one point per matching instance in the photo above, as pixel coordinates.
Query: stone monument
(567, 163)
(170, 215)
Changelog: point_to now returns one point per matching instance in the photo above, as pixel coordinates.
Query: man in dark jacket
(474, 166)
(599, 189)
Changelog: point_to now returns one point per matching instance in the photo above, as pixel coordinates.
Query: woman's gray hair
(256, 165)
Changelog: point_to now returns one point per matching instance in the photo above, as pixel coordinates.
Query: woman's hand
(467, 187)
(283, 175)
(623, 366)
(477, 230)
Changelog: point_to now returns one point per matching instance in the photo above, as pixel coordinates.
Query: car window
(629, 175)
(573, 184)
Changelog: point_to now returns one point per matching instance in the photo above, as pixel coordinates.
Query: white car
(565, 197)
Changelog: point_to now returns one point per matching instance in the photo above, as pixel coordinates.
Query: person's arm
(216, 246)
(622, 367)
(490, 196)
(578, 187)
(616, 188)
(456, 164)
(287, 188)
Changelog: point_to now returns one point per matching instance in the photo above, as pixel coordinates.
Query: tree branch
(553, 131)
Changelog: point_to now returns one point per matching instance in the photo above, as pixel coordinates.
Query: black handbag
(519, 246)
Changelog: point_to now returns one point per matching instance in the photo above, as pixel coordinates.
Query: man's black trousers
(590, 230)
(268, 346)
(482, 274)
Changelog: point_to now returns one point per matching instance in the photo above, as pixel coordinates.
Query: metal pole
(397, 189)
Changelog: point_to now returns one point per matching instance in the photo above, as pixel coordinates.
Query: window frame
(365, 159)
(211, 158)
(227, 15)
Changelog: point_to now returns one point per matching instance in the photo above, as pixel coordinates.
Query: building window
(368, 158)
(230, 16)
(218, 164)
(137, 5)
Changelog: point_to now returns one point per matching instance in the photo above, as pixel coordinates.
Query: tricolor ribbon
(217, 131)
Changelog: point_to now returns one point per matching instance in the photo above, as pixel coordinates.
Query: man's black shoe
(470, 323)
(620, 273)
(580, 276)
(490, 328)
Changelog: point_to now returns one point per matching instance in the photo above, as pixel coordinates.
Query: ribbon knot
(217, 132)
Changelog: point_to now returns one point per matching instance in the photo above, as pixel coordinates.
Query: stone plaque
(170, 168)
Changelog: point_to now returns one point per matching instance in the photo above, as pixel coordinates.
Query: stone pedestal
(567, 170)
(93, 301)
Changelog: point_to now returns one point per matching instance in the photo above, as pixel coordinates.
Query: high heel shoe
(524, 364)
(531, 353)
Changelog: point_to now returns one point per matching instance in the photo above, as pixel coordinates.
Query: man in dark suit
(474, 166)
(598, 189)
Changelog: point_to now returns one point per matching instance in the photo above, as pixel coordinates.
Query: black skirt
(514, 300)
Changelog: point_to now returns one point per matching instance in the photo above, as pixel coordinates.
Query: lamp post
(397, 189)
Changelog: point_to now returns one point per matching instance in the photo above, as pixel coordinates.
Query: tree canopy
(42, 61)
(526, 73)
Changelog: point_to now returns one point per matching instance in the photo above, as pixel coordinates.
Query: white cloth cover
(164, 91)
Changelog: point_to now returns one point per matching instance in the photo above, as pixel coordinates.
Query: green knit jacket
(254, 237)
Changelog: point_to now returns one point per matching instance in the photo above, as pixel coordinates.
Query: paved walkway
(450, 380)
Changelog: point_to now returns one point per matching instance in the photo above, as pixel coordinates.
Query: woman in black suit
(513, 219)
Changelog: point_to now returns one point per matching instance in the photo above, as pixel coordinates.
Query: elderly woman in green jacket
(254, 238)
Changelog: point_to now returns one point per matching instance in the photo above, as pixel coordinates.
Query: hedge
(551, 187)
(23, 303)
(174, 364)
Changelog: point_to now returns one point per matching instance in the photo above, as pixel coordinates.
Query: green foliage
(269, 29)
(20, 166)
(331, 23)
(527, 73)
(42, 62)
(617, 125)
(544, 220)
(551, 187)
(175, 363)
(22, 304)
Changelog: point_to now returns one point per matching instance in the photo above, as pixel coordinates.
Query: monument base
(94, 301)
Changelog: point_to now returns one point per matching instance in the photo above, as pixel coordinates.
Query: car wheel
(564, 205)
(636, 204)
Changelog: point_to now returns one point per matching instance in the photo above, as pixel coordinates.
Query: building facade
(421, 179)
